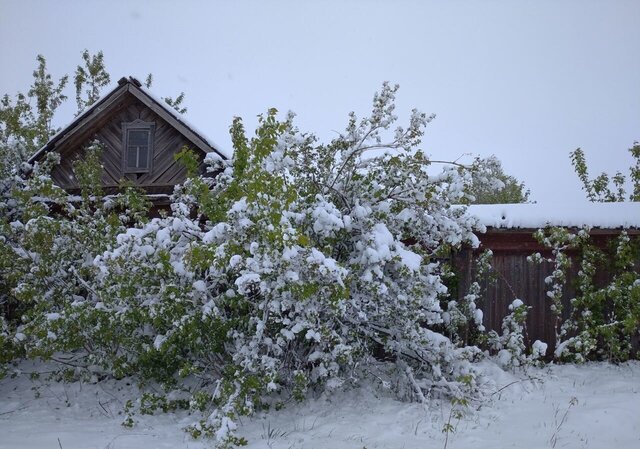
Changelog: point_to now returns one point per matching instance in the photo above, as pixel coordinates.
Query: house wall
(166, 172)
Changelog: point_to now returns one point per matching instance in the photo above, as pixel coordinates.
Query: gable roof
(105, 105)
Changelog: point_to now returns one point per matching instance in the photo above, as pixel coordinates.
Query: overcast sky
(528, 81)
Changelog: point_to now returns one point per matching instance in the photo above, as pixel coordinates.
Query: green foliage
(17, 140)
(459, 407)
(463, 319)
(606, 188)
(510, 345)
(287, 273)
(603, 319)
(88, 172)
(490, 185)
(25, 122)
(176, 103)
(90, 79)
(48, 97)
(559, 240)
(148, 82)
(43, 259)
(189, 160)
(150, 403)
(26, 119)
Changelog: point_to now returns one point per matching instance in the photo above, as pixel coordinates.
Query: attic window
(137, 144)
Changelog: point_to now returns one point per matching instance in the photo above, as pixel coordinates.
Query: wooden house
(140, 135)
(509, 235)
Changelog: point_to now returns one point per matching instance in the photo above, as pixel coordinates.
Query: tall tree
(491, 185)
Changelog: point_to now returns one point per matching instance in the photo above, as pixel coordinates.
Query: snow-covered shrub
(314, 258)
(46, 257)
(559, 240)
(6, 346)
(510, 346)
(153, 305)
(301, 266)
(604, 319)
(491, 185)
(318, 256)
(463, 319)
(22, 200)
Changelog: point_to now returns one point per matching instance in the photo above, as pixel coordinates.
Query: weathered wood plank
(167, 160)
(104, 122)
(527, 281)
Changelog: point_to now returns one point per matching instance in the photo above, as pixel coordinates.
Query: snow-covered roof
(181, 118)
(576, 214)
(135, 87)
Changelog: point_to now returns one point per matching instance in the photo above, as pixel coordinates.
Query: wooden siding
(513, 276)
(168, 141)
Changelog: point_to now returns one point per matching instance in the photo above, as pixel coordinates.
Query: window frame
(137, 125)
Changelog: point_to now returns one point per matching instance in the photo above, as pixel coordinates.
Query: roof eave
(132, 86)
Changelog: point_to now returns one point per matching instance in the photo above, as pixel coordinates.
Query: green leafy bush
(604, 318)
(299, 267)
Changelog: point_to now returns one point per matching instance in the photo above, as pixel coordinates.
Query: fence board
(512, 276)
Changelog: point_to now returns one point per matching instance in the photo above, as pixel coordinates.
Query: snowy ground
(592, 406)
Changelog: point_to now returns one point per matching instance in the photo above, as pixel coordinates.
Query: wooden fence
(513, 276)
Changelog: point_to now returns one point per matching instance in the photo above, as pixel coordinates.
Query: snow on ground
(590, 406)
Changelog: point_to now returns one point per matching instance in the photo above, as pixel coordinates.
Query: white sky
(528, 81)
